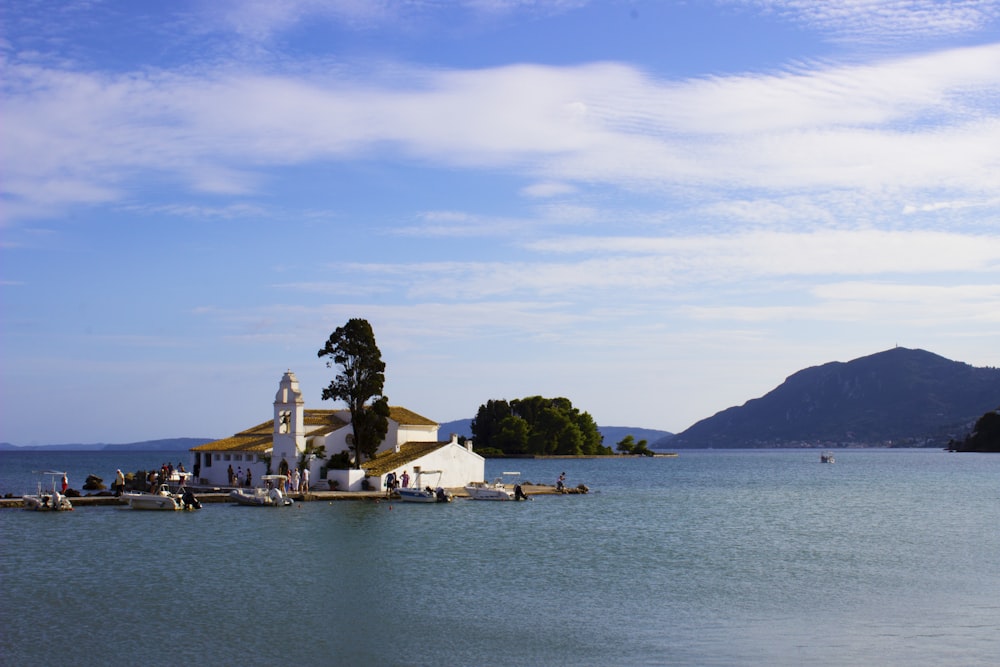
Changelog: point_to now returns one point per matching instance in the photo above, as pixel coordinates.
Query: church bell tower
(289, 424)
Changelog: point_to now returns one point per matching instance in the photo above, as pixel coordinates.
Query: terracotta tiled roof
(321, 422)
(241, 442)
(408, 417)
(260, 438)
(390, 460)
(316, 422)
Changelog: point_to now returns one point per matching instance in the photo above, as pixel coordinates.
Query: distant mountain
(461, 427)
(164, 445)
(612, 434)
(899, 397)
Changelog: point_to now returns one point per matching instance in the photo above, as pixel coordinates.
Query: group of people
(152, 480)
(297, 482)
(392, 482)
(238, 478)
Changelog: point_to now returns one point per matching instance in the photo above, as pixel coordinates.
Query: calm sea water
(888, 557)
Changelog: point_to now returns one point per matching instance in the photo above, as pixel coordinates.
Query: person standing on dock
(305, 481)
(119, 482)
(404, 479)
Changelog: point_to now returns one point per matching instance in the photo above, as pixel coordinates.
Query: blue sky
(655, 209)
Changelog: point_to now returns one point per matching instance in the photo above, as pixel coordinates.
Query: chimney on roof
(454, 439)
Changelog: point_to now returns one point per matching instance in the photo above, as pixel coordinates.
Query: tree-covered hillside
(985, 436)
(535, 426)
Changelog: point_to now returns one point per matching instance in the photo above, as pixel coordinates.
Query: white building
(287, 441)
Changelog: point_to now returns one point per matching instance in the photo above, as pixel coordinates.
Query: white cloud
(881, 20)
(829, 252)
(909, 123)
(874, 21)
(911, 304)
(546, 189)
(261, 20)
(628, 275)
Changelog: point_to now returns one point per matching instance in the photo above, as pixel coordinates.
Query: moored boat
(496, 490)
(48, 501)
(425, 494)
(270, 495)
(162, 500)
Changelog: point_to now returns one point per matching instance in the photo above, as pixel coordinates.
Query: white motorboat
(162, 500)
(48, 501)
(497, 490)
(270, 495)
(423, 494)
(179, 479)
(826, 457)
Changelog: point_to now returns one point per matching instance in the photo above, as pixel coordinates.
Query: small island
(985, 435)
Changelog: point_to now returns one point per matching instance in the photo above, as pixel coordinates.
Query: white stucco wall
(347, 480)
(406, 434)
(218, 473)
(458, 466)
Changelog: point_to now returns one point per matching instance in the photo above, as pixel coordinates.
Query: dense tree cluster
(985, 436)
(536, 426)
(628, 445)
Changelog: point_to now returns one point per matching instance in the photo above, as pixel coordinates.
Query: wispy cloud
(879, 20)
(846, 20)
(916, 304)
(630, 270)
(78, 137)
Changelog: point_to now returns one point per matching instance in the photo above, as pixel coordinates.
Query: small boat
(426, 494)
(179, 479)
(48, 501)
(162, 500)
(270, 495)
(826, 457)
(496, 490)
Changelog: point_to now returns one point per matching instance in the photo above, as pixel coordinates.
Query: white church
(411, 445)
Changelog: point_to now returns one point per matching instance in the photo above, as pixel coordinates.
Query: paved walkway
(222, 496)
